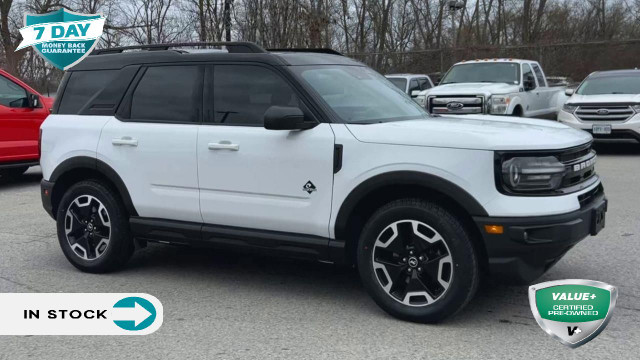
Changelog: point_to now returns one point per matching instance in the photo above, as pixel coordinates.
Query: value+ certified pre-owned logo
(573, 311)
(62, 37)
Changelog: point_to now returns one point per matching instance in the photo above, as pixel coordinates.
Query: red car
(22, 110)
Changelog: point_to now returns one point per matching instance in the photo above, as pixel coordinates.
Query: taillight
(40, 144)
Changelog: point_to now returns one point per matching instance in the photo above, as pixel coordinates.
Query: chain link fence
(573, 60)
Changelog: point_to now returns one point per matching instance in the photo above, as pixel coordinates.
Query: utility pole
(453, 7)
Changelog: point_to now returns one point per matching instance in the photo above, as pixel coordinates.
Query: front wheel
(93, 228)
(417, 262)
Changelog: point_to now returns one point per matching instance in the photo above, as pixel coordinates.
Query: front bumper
(629, 129)
(528, 247)
(46, 189)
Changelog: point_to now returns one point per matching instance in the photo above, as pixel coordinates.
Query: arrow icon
(130, 312)
(137, 314)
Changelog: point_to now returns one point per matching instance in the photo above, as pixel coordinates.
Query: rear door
(251, 177)
(19, 123)
(546, 93)
(152, 145)
(533, 101)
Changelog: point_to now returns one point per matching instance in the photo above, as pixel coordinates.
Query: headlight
(636, 108)
(569, 108)
(498, 104)
(532, 174)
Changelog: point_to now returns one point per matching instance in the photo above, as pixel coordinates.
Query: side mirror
(569, 92)
(33, 100)
(437, 82)
(529, 83)
(415, 93)
(286, 118)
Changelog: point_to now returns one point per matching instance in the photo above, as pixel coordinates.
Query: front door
(19, 123)
(251, 177)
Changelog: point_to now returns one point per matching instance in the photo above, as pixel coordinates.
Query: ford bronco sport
(311, 155)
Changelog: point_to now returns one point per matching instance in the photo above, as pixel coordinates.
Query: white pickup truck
(494, 86)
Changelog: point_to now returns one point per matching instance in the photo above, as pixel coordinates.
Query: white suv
(606, 104)
(314, 156)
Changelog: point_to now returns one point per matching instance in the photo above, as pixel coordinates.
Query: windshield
(483, 72)
(610, 85)
(401, 83)
(359, 95)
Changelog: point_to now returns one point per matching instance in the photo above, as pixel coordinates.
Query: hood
(485, 89)
(479, 132)
(604, 99)
(48, 102)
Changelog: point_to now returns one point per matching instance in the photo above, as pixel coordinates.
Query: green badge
(572, 311)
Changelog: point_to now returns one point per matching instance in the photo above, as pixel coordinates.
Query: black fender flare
(405, 178)
(85, 162)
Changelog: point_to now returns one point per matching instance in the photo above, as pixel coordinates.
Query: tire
(102, 245)
(13, 172)
(446, 282)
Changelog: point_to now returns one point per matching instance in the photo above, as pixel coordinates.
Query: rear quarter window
(81, 87)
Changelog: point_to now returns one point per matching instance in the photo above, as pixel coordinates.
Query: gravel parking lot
(224, 305)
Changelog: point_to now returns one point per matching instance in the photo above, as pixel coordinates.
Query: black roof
(608, 73)
(117, 58)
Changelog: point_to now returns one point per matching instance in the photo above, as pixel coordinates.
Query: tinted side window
(11, 92)
(526, 72)
(539, 75)
(424, 83)
(413, 85)
(81, 87)
(168, 93)
(243, 93)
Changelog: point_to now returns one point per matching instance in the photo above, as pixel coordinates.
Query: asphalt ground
(224, 305)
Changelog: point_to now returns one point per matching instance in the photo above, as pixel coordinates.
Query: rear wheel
(13, 172)
(417, 262)
(93, 228)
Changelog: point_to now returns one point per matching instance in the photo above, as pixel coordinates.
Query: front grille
(590, 195)
(463, 104)
(574, 153)
(604, 112)
(580, 164)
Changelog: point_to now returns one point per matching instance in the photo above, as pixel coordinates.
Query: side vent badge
(309, 187)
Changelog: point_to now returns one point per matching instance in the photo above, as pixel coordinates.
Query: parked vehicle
(314, 156)
(561, 81)
(606, 104)
(411, 84)
(22, 111)
(494, 86)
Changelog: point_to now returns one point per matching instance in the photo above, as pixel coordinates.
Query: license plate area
(601, 129)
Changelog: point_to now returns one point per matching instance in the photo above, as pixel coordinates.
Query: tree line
(355, 27)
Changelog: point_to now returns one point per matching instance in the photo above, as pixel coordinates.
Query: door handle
(125, 140)
(224, 145)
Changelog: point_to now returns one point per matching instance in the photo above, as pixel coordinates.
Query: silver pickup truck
(497, 87)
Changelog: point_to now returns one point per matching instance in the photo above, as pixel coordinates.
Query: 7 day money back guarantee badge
(62, 37)
(573, 311)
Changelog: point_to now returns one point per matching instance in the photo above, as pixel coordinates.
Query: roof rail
(313, 50)
(232, 47)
